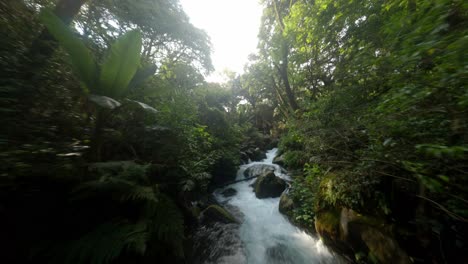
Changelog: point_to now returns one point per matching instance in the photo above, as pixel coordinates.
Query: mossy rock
(216, 213)
(279, 160)
(327, 224)
(355, 235)
(286, 205)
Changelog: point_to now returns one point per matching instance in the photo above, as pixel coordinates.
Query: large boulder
(215, 213)
(269, 186)
(352, 234)
(258, 170)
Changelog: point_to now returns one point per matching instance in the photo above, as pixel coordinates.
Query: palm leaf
(82, 60)
(120, 65)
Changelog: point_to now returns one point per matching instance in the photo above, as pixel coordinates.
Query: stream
(265, 235)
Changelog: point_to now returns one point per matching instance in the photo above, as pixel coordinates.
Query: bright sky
(232, 26)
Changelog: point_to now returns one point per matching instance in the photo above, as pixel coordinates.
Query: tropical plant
(107, 82)
(132, 218)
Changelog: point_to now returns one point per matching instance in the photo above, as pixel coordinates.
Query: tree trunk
(283, 66)
(283, 73)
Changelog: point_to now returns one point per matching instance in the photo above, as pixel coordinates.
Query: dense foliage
(109, 131)
(374, 98)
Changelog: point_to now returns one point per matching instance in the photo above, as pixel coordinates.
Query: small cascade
(267, 237)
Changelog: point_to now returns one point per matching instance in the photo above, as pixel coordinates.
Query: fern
(131, 184)
(105, 243)
(168, 224)
(158, 222)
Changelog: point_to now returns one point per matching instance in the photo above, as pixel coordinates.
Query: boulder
(216, 213)
(279, 160)
(258, 170)
(256, 154)
(286, 205)
(244, 157)
(269, 186)
(352, 234)
(229, 192)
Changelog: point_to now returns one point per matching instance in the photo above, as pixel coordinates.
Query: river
(266, 236)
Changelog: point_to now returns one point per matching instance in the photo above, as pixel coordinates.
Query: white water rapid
(266, 235)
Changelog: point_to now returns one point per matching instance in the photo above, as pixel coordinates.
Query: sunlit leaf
(82, 60)
(120, 65)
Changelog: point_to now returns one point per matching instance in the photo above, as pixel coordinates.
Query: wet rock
(279, 160)
(384, 247)
(349, 233)
(327, 225)
(269, 186)
(215, 213)
(256, 154)
(258, 170)
(235, 211)
(218, 243)
(229, 192)
(244, 157)
(286, 205)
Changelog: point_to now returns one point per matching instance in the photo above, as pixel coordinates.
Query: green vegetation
(110, 133)
(373, 98)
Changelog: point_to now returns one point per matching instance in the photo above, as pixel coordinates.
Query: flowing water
(266, 236)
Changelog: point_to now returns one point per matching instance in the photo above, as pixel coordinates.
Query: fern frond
(168, 224)
(105, 243)
(140, 193)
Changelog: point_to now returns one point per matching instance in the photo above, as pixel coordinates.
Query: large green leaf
(120, 65)
(82, 60)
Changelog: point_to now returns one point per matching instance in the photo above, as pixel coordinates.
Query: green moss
(222, 212)
(295, 159)
(327, 223)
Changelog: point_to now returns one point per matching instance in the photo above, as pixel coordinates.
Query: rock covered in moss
(269, 186)
(352, 234)
(279, 160)
(215, 213)
(286, 205)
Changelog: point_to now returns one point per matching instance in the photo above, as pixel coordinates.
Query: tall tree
(274, 45)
